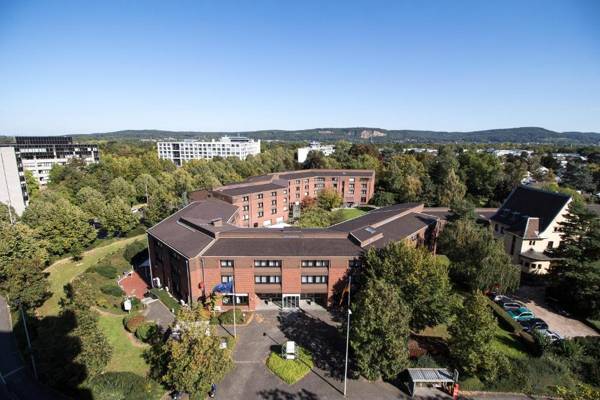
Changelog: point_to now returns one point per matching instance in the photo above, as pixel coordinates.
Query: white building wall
(303, 151)
(11, 187)
(180, 152)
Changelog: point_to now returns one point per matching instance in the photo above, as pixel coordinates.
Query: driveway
(313, 330)
(159, 313)
(533, 297)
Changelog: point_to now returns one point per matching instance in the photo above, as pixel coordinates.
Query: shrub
(134, 250)
(122, 385)
(132, 322)
(226, 318)
(112, 290)
(290, 371)
(145, 331)
(107, 271)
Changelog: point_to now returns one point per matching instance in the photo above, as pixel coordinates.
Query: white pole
(234, 301)
(347, 337)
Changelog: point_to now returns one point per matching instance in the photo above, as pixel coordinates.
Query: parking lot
(315, 331)
(533, 297)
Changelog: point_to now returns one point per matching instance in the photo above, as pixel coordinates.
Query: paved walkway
(15, 381)
(134, 285)
(159, 313)
(252, 380)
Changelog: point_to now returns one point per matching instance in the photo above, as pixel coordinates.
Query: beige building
(528, 223)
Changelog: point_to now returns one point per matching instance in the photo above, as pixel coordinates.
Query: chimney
(217, 222)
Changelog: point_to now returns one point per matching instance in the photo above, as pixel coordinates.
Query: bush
(112, 290)
(132, 322)
(135, 250)
(290, 371)
(107, 271)
(145, 331)
(122, 385)
(226, 318)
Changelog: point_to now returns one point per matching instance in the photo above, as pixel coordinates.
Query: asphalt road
(16, 383)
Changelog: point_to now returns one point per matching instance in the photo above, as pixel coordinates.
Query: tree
(33, 187)
(117, 217)
(195, 360)
(381, 198)
(420, 279)
(161, 205)
(314, 217)
(91, 202)
(481, 173)
(579, 177)
(329, 198)
(471, 337)
(145, 185)
(379, 330)
(478, 260)
(314, 160)
(404, 176)
(19, 242)
(576, 273)
(7, 215)
(364, 161)
(24, 283)
(450, 190)
(59, 222)
(119, 187)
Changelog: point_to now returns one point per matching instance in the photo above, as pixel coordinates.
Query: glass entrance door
(291, 300)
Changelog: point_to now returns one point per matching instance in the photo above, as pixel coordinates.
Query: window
(226, 278)
(355, 263)
(315, 263)
(259, 196)
(284, 191)
(245, 198)
(261, 214)
(273, 202)
(241, 299)
(273, 194)
(226, 263)
(496, 227)
(297, 181)
(266, 279)
(297, 188)
(273, 211)
(246, 208)
(246, 217)
(532, 242)
(308, 279)
(267, 263)
(550, 244)
(260, 204)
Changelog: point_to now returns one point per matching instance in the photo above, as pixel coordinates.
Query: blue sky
(84, 66)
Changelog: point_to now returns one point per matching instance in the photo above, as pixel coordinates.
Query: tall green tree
(404, 176)
(481, 173)
(195, 361)
(329, 198)
(471, 336)
(117, 218)
(478, 260)
(314, 217)
(417, 276)
(91, 202)
(145, 186)
(33, 187)
(450, 190)
(119, 187)
(379, 330)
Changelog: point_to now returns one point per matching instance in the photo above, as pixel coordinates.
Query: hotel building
(181, 151)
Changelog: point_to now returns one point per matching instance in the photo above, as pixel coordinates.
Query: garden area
(290, 371)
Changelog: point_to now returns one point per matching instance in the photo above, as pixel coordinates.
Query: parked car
(496, 298)
(552, 335)
(512, 305)
(520, 314)
(533, 324)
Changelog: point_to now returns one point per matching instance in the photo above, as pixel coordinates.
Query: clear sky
(85, 66)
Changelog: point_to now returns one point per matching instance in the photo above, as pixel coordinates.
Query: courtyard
(314, 330)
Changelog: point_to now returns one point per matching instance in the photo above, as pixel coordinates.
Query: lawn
(290, 371)
(63, 271)
(126, 356)
(166, 299)
(509, 345)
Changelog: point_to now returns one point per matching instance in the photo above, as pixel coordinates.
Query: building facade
(40, 153)
(180, 152)
(13, 190)
(269, 199)
(302, 152)
(200, 247)
(528, 223)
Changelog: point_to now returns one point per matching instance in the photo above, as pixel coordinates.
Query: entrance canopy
(429, 377)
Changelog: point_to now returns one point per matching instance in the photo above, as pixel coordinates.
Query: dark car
(534, 324)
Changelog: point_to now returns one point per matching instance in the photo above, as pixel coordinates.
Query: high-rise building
(40, 153)
(302, 152)
(13, 190)
(181, 151)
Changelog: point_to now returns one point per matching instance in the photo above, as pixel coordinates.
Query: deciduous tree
(329, 198)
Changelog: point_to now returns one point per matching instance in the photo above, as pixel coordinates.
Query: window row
(315, 263)
(314, 279)
(267, 279)
(278, 263)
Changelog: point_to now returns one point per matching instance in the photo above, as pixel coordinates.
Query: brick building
(202, 246)
(269, 199)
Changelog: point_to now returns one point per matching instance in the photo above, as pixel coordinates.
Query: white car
(551, 335)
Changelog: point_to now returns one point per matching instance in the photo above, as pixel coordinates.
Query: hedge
(122, 385)
(145, 331)
(133, 322)
(107, 271)
(112, 290)
(226, 318)
(135, 250)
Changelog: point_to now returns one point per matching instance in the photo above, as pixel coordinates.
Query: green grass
(166, 299)
(343, 214)
(125, 356)
(509, 345)
(290, 371)
(63, 271)
(440, 331)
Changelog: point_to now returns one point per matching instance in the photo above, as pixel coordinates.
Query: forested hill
(510, 135)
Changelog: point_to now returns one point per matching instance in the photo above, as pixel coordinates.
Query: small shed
(436, 377)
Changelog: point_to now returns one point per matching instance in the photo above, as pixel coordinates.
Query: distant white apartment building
(326, 149)
(510, 152)
(40, 153)
(181, 151)
(13, 191)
